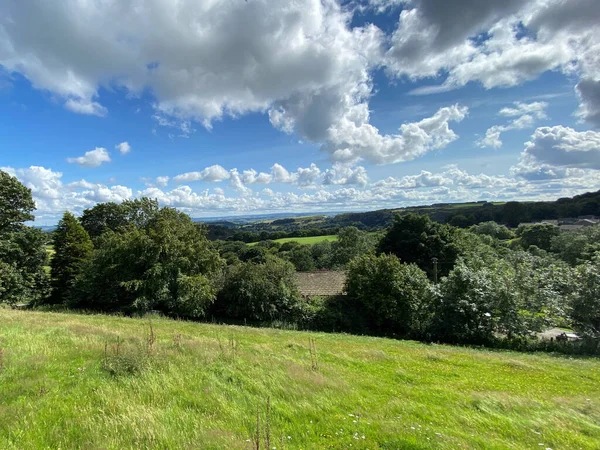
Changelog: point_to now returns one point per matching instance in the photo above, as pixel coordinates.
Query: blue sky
(230, 107)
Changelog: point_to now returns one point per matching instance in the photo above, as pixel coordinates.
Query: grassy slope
(305, 240)
(199, 393)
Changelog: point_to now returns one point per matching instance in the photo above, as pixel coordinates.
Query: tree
(22, 250)
(514, 213)
(511, 297)
(585, 306)
(351, 243)
(540, 235)
(117, 216)
(302, 259)
(391, 295)
(492, 229)
(73, 247)
(16, 203)
(416, 239)
(263, 291)
(167, 265)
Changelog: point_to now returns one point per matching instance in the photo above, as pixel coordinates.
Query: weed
(177, 341)
(120, 360)
(313, 353)
(150, 339)
(1, 358)
(268, 424)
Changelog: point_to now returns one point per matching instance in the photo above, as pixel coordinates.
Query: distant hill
(458, 214)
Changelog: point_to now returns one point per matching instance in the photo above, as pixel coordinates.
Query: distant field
(50, 251)
(66, 383)
(306, 240)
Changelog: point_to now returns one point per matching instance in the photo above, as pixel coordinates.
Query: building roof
(586, 222)
(323, 283)
(570, 227)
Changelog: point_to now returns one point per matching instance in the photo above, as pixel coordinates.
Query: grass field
(188, 386)
(305, 240)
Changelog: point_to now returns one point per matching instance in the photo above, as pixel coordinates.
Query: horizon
(262, 107)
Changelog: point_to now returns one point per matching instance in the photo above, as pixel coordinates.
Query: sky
(238, 107)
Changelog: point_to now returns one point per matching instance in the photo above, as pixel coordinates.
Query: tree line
(418, 279)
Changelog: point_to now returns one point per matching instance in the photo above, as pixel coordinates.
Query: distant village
(568, 223)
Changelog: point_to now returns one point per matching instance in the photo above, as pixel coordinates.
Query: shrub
(258, 291)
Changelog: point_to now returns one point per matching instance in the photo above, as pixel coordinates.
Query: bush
(258, 291)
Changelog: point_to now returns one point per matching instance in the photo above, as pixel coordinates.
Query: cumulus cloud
(123, 147)
(53, 197)
(213, 173)
(525, 116)
(452, 184)
(93, 158)
(350, 141)
(563, 147)
(498, 44)
(162, 181)
(588, 91)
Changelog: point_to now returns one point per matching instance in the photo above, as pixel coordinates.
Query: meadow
(98, 381)
(309, 240)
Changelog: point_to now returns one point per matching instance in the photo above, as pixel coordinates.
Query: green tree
(351, 243)
(73, 247)
(167, 265)
(16, 203)
(22, 250)
(585, 305)
(263, 291)
(492, 229)
(514, 213)
(540, 235)
(117, 216)
(416, 239)
(392, 296)
(302, 259)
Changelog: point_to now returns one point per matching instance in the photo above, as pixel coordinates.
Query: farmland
(306, 240)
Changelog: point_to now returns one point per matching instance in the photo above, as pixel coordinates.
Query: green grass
(200, 386)
(50, 252)
(305, 240)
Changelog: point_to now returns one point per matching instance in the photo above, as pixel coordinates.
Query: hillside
(458, 214)
(75, 381)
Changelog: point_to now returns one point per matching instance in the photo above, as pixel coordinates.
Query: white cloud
(213, 173)
(526, 115)
(452, 184)
(162, 181)
(123, 147)
(343, 175)
(93, 158)
(563, 147)
(350, 142)
(498, 44)
(84, 106)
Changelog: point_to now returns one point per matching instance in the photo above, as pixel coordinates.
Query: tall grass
(186, 385)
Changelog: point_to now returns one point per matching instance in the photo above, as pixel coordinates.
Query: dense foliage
(22, 248)
(72, 247)
(417, 239)
(419, 278)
